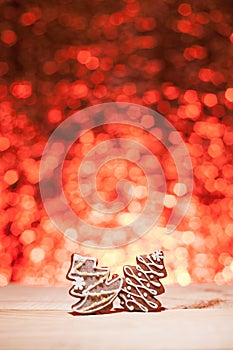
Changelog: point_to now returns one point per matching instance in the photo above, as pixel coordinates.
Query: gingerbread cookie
(91, 285)
(141, 284)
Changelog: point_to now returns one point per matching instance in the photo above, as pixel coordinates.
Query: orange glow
(28, 202)
(87, 137)
(27, 237)
(171, 92)
(205, 74)
(37, 255)
(210, 100)
(220, 184)
(228, 137)
(4, 143)
(210, 171)
(11, 177)
(190, 96)
(193, 111)
(215, 150)
(227, 171)
(209, 130)
(229, 94)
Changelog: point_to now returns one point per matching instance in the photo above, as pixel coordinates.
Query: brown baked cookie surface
(142, 283)
(91, 285)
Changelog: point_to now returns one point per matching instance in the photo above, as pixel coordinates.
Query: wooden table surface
(197, 317)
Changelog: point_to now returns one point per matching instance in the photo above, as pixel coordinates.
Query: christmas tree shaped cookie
(142, 284)
(91, 285)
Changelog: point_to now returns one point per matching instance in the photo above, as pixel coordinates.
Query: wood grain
(196, 317)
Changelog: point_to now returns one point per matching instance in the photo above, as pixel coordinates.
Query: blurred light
(11, 177)
(147, 121)
(210, 100)
(54, 115)
(183, 278)
(229, 94)
(4, 143)
(171, 92)
(170, 201)
(21, 89)
(37, 255)
(27, 237)
(28, 18)
(92, 63)
(185, 9)
(8, 37)
(180, 189)
(188, 237)
(129, 89)
(79, 90)
(84, 56)
(151, 97)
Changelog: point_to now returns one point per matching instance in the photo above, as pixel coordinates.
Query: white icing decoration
(154, 292)
(141, 288)
(79, 283)
(128, 303)
(155, 284)
(158, 255)
(148, 266)
(128, 287)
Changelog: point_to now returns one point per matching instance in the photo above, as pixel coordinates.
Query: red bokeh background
(58, 57)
